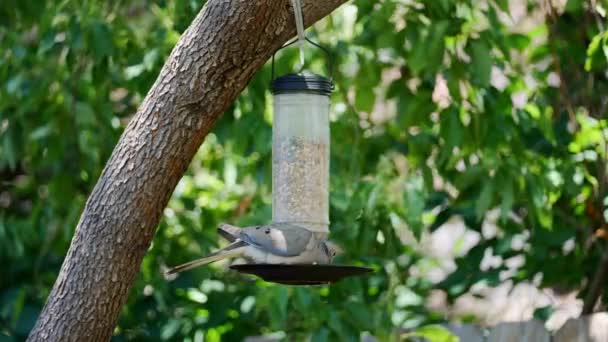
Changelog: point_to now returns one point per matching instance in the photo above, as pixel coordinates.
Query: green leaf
(574, 5)
(10, 153)
(277, 309)
(503, 245)
(415, 109)
(101, 40)
(503, 5)
(41, 132)
(427, 53)
(435, 333)
(452, 129)
(543, 313)
(335, 324)
(414, 205)
(596, 52)
(196, 296)
(545, 217)
(321, 335)
(150, 59)
(508, 196)
(365, 99)
(485, 199)
(85, 116)
(169, 329)
(133, 71)
(359, 316)
(533, 110)
(481, 63)
(470, 176)
(518, 41)
(303, 300)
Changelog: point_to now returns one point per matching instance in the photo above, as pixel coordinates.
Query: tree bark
(213, 61)
(596, 285)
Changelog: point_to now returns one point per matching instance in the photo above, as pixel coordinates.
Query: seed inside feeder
(300, 182)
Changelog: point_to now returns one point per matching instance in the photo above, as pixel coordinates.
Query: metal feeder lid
(302, 83)
(301, 274)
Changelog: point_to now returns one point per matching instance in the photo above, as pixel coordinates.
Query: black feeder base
(301, 274)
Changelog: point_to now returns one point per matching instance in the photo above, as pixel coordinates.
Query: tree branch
(597, 285)
(213, 61)
(551, 19)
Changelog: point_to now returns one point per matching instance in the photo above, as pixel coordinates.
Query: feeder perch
(301, 274)
(300, 172)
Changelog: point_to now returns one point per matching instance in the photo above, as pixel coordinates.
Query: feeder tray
(301, 274)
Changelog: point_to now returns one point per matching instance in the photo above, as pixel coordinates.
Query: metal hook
(327, 53)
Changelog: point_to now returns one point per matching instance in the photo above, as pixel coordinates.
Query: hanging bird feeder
(300, 150)
(300, 171)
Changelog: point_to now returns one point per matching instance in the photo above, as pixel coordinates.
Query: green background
(442, 108)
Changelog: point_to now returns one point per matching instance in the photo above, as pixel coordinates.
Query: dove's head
(333, 250)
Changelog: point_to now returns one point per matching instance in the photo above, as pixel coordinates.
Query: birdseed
(300, 182)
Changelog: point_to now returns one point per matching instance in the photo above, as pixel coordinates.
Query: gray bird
(268, 244)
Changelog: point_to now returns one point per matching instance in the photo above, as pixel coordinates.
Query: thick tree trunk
(213, 61)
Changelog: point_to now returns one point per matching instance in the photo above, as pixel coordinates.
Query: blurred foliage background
(484, 110)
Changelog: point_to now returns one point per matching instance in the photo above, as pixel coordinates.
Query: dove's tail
(228, 232)
(233, 250)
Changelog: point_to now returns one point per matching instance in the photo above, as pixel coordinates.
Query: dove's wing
(278, 239)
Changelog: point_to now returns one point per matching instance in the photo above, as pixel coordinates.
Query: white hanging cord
(297, 10)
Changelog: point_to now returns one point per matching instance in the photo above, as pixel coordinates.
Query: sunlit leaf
(435, 333)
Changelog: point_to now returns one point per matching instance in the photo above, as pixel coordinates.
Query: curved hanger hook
(325, 50)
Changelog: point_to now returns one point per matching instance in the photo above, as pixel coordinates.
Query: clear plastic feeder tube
(300, 153)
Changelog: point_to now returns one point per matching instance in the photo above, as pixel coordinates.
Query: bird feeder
(300, 151)
(300, 171)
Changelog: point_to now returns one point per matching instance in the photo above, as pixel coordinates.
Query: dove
(231, 233)
(275, 243)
